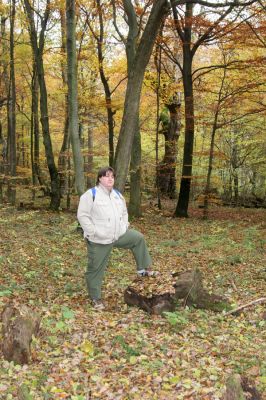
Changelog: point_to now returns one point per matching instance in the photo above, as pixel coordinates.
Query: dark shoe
(147, 272)
(97, 304)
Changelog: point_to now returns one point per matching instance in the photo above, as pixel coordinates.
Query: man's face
(108, 180)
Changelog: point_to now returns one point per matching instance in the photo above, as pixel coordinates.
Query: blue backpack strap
(93, 191)
(118, 193)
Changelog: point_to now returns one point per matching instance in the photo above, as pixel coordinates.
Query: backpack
(93, 191)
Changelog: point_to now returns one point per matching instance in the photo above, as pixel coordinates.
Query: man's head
(106, 177)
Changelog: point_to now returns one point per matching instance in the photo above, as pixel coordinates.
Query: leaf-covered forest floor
(124, 353)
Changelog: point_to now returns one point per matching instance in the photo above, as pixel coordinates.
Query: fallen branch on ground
(235, 310)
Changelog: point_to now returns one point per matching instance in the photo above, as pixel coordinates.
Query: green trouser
(98, 256)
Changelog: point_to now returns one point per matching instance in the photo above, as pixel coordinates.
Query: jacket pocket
(102, 229)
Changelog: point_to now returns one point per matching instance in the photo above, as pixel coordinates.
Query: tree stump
(19, 324)
(188, 287)
(156, 304)
(240, 388)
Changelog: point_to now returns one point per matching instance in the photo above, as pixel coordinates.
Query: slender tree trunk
(12, 156)
(235, 165)
(90, 158)
(183, 200)
(236, 191)
(55, 189)
(211, 155)
(35, 132)
(133, 92)
(38, 57)
(4, 65)
(73, 96)
(62, 159)
(134, 206)
(158, 64)
(208, 182)
(107, 91)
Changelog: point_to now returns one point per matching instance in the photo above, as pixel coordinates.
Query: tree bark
(4, 65)
(73, 96)
(63, 155)
(107, 91)
(134, 206)
(100, 40)
(38, 57)
(12, 156)
(183, 199)
(35, 131)
(167, 168)
(133, 92)
(89, 166)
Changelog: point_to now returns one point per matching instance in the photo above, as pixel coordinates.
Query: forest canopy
(170, 93)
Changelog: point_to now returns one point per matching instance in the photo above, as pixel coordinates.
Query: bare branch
(256, 34)
(235, 3)
(210, 30)
(238, 118)
(115, 24)
(177, 22)
(119, 83)
(210, 68)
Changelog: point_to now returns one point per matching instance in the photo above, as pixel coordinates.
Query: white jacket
(105, 219)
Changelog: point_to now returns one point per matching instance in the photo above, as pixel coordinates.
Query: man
(102, 214)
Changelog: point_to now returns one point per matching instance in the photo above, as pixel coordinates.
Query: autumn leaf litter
(124, 353)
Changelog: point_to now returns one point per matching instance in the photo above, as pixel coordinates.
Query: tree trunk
(134, 206)
(167, 168)
(183, 199)
(134, 86)
(235, 165)
(236, 192)
(73, 96)
(35, 132)
(208, 182)
(38, 57)
(211, 155)
(4, 64)
(3, 150)
(89, 168)
(63, 156)
(55, 189)
(107, 91)
(12, 156)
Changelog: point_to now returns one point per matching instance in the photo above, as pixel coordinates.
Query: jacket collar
(104, 189)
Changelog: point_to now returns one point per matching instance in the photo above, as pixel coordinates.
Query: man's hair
(102, 172)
